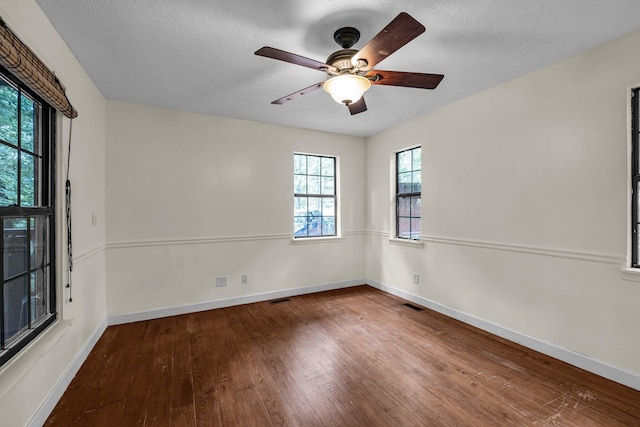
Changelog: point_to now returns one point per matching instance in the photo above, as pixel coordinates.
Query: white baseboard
(40, 417)
(581, 361)
(229, 302)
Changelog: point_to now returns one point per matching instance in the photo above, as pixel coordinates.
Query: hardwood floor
(353, 357)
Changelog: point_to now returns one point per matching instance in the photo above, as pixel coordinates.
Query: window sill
(23, 361)
(407, 242)
(311, 240)
(631, 274)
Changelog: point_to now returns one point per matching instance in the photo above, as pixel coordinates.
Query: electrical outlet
(245, 279)
(416, 278)
(221, 281)
(94, 219)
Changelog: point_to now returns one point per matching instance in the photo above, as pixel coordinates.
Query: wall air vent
(278, 301)
(413, 307)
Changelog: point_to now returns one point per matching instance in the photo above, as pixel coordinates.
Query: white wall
(191, 197)
(524, 207)
(40, 372)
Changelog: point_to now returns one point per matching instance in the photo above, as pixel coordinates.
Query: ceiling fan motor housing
(346, 37)
(342, 59)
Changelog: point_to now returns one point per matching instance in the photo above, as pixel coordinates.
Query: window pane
(315, 204)
(29, 180)
(8, 113)
(8, 176)
(404, 228)
(328, 207)
(328, 168)
(417, 159)
(314, 226)
(416, 206)
(417, 182)
(313, 165)
(39, 239)
(15, 248)
(328, 185)
(299, 164)
(314, 185)
(404, 161)
(328, 225)
(299, 184)
(27, 123)
(404, 183)
(404, 206)
(300, 206)
(16, 310)
(299, 225)
(415, 228)
(39, 295)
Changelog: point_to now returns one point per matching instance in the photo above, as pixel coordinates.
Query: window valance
(20, 60)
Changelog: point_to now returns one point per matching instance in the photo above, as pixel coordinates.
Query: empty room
(319, 213)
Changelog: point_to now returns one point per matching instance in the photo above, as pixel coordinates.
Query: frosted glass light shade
(347, 88)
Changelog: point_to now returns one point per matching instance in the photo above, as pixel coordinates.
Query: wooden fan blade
(357, 107)
(396, 34)
(271, 52)
(401, 78)
(298, 94)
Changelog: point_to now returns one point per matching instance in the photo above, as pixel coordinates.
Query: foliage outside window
(314, 195)
(27, 296)
(408, 193)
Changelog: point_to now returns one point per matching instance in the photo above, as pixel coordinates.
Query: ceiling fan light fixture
(347, 88)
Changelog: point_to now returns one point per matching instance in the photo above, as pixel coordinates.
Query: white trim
(43, 412)
(194, 241)
(580, 360)
(88, 254)
(212, 240)
(118, 319)
(508, 247)
(418, 244)
(319, 239)
(355, 233)
(631, 274)
(556, 253)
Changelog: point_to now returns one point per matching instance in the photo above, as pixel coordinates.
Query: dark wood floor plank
(158, 405)
(182, 406)
(273, 350)
(350, 357)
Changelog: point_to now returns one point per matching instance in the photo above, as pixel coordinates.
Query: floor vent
(412, 307)
(278, 301)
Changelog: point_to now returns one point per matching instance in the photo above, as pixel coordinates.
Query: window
(314, 195)
(635, 176)
(28, 293)
(408, 193)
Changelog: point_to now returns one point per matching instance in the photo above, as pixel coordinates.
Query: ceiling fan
(351, 71)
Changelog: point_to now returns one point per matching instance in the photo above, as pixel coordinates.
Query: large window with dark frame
(409, 193)
(27, 216)
(314, 195)
(635, 177)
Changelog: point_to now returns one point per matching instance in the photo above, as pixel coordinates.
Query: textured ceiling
(198, 55)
